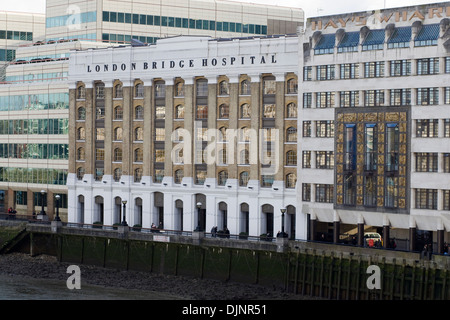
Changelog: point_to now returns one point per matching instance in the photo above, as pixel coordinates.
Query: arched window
(137, 175)
(179, 112)
(118, 113)
(243, 178)
(179, 174)
(223, 88)
(179, 89)
(291, 110)
(222, 135)
(118, 134)
(244, 134)
(291, 134)
(80, 173)
(80, 154)
(81, 93)
(291, 158)
(245, 88)
(138, 155)
(118, 155)
(81, 134)
(224, 111)
(139, 90)
(117, 174)
(139, 113)
(292, 86)
(245, 111)
(222, 156)
(138, 134)
(100, 91)
(223, 177)
(81, 113)
(118, 91)
(244, 157)
(291, 180)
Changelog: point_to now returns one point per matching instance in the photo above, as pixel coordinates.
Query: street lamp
(42, 202)
(283, 234)
(199, 205)
(57, 197)
(124, 202)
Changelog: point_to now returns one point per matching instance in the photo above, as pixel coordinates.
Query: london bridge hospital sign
(378, 17)
(225, 62)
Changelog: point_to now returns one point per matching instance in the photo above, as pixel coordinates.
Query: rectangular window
(391, 192)
(349, 99)
(202, 112)
(349, 71)
(306, 163)
(446, 199)
(326, 72)
(269, 111)
(371, 147)
(400, 68)
(306, 129)
(306, 192)
(447, 64)
(267, 180)
(307, 100)
(427, 128)
(99, 154)
(427, 96)
(325, 129)
(447, 95)
(400, 97)
(269, 87)
(446, 164)
(392, 147)
(370, 191)
(374, 98)
(374, 69)
(307, 73)
(324, 159)
(350, 189)
(446, 128)
(428, 66)
(426, 162)
(324, 193)
(325, 99)
(350, 147)
(426, 199)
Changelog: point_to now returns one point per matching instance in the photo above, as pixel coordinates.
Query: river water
(25, 288)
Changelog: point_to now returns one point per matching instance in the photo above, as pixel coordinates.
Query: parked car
(373, 239)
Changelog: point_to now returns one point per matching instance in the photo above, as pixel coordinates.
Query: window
(427, 96)
(400, 68)
(81, 93)
(160, 112)
(81, 113)
(118, 91)
(100, 91)
(160, 155)
(100, 134)
(306, 129)
(427, 128)
(324, 99)
(291, 134)
(117, 155)
(291, 111)
(118, 134)
(446, 128)
(307, 73)
(81, 134)
(100, 113)
(292, 86)
(350, 147)
(179, 175)
(138, 134)
(374, 98)
(179, 112)
(244, 177)
(447, 64)
(80, 154)
(99, 174)
(370, 147)
(306, 192)
(349, 99)
(349, 189)
(374, 69)
(446, 164)
(426, 162)
(139, 113)
(269, 86)
(137, 175)
(426, 199)
(99, 154)
(325, 129)
(244, 157)
(160, 90)
(447, 95)
(325, 72)
(307, 100)
(392, 147)
(245, 88)
(138, 155)
(223, 88)
(349, 71)
(391, 192)
(291, 181)
(245, 111)
(222, 178)
(80, 173)
(179, 89)
(139, 90)
(306, 163)
(291, 158)
(202, 88)
(400, 97)
(118, 113)
(428, 66)
(324, 159)
(117, 174)
(269, 110)
(224, 111)
(202, 112)
(324, 193)
(370, 191)
(446, 200)
(200, 176)
(267, 181)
